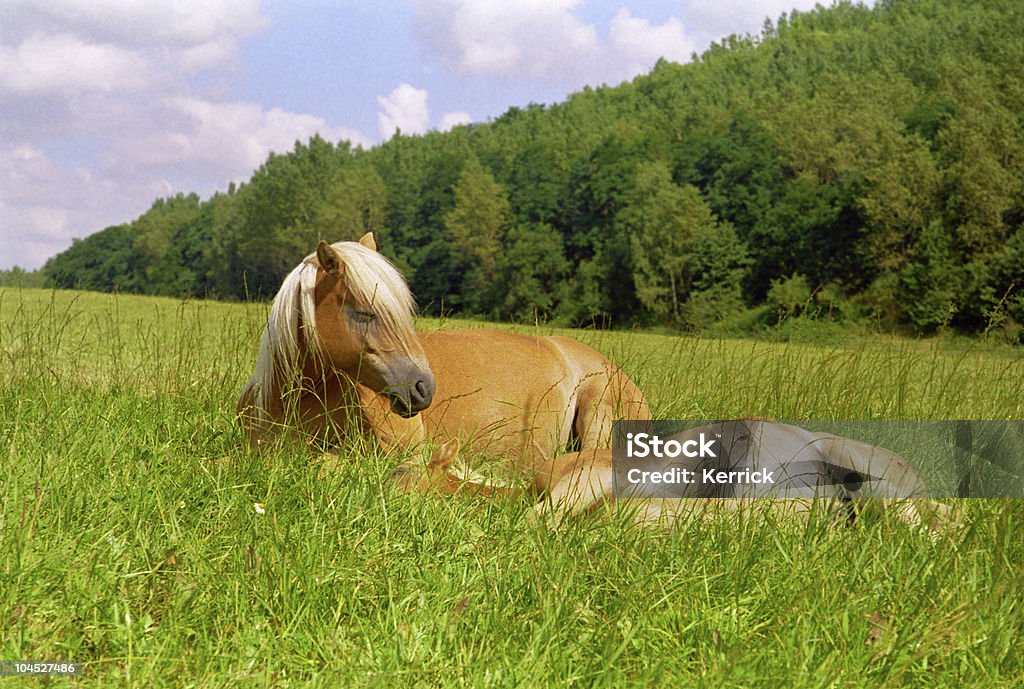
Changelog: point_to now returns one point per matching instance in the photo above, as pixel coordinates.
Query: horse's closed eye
(364, 316)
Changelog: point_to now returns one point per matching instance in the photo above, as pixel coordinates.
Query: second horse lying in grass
(845, 474)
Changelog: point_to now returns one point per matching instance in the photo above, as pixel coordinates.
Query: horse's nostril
(417, 397)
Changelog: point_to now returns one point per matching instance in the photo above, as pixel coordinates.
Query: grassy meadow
(139, 536)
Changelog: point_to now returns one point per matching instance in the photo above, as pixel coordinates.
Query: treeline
(848, 163)
(19, 277)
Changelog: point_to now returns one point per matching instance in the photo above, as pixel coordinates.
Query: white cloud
(199, 144)
(454, 119)
(209, 54)
(715, 19)
(99, 115)
(635, 40)
(64, 64)
(238, 136)
(43, 204)
(404, 108)
(545, 40)
(182, 22)
(531, 38)
(23, 168)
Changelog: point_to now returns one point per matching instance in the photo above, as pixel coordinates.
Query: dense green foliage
(873, 156)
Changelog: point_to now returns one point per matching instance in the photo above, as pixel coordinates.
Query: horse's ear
(368, 241)
(446, 454)
(329, 258)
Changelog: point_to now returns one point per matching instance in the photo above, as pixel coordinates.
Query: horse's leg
(437, 476)
(575, 483)
(602, 400)
(901, 490)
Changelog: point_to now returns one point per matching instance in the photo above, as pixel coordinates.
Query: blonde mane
(373, 283)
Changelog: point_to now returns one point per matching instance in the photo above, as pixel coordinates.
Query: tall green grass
(130, 538)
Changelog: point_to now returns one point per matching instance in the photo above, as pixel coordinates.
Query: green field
(130, 540)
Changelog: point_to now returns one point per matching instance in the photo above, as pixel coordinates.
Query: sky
(107, 105)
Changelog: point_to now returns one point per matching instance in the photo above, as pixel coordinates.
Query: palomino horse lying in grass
(340, 355)
(839, 472)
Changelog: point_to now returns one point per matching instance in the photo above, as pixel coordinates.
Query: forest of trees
(848, 163)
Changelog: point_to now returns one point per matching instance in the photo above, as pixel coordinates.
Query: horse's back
(470, 357)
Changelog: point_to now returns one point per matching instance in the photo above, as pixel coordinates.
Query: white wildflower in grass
(259, 508)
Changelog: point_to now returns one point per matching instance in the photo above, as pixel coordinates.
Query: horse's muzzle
(414, 398)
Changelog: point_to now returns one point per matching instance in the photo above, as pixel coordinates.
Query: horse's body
(340, 355)
(525, 397)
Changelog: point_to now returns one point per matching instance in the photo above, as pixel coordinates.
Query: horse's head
(364, 324)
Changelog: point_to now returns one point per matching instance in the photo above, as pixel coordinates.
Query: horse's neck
(330, 387)
(331, 402)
